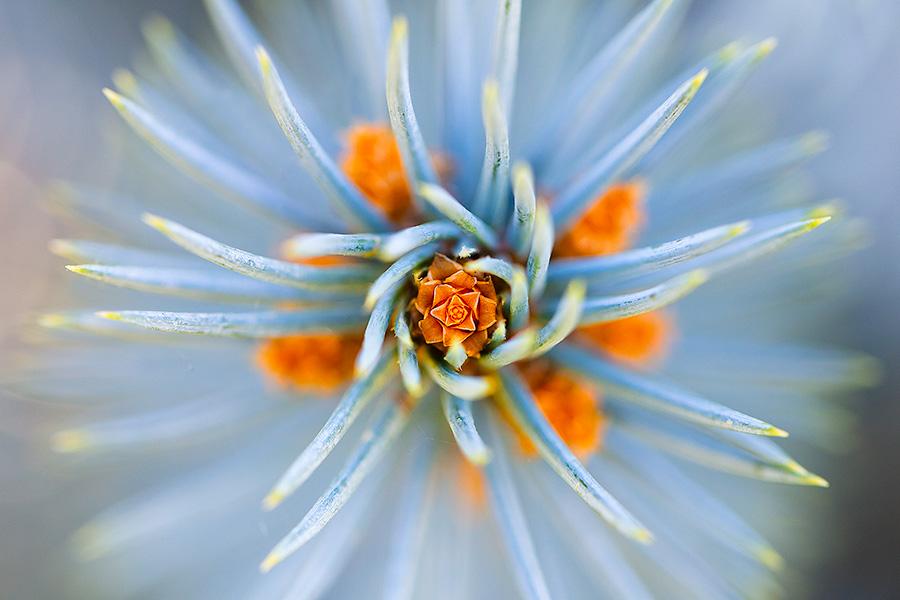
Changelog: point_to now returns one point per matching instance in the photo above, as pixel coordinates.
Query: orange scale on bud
(642, 338)
(470, 299)
(315, 363)
(461, 279)
(442, 291)
(609, 225)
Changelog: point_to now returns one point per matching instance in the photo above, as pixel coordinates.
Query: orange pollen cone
(317, 363)
(639, 339)
(572, 408)
(609, 225)
(372, 161)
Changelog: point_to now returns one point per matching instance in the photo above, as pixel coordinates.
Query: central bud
(456, 307)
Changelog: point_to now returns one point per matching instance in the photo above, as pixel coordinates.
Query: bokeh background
(837, 68)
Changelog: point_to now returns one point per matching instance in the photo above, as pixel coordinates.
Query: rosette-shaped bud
(456, 307)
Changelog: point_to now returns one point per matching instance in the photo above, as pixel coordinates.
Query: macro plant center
(453, 311)
(449, 267)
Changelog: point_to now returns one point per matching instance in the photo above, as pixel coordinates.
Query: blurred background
(837, 68)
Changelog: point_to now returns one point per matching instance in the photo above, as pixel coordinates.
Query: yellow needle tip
(270, 561)
(272, 500)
